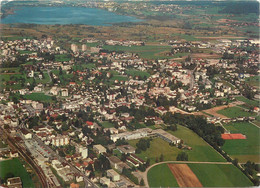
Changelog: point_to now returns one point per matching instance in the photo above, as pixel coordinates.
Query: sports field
(209, 175)
(246, 149)
(15, 167)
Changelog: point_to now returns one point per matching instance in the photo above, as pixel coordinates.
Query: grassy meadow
(247, 149)
(15, 167)
(233, 112)
(201, 151)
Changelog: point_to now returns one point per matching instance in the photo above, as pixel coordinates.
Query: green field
(210, 175)
(147, 52)
(161, 176)
(158, 147)
(253, 81)
(64, 78)
(247, 149)
(25, 52)
(38, 97)
(134, 73)
(62, 57)
(20, 78)
(119, 78)
(234, 112)
(220, 175)
(15, 167)
(107, 124)
(248, 101)
(201, 151)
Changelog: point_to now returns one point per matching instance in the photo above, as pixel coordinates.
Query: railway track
(12, 143)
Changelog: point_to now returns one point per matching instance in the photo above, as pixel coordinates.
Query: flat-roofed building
(14, 182)
(113, 175)
(126, 149)
(99, 149)
(166, 136)
(139, 133)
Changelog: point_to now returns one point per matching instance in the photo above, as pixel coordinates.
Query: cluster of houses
(173, 80)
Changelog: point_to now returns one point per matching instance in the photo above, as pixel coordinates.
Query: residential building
(99, 149)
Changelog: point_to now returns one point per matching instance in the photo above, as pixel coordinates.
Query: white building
(99, 149)
(139, 133)
(60, 140)
(84, 47)
(113, 175)
(84, 153)
(64, 92)
(74, 48)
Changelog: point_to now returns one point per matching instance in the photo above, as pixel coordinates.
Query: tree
(60, 71)
(8, 175)
(143, 144)
(161, 157)
(142, 182)
(147, 162)
(235, 162)
(182, 156)
(120, 142)
(61, 153)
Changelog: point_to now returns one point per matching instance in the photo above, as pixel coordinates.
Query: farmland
(243, 150)
(227, 176)
(233, 112)
(184, 175)
(15, 167)
(161, 176)
(220, 175)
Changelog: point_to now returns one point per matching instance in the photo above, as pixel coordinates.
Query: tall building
(84, 47)
(60, 140)
(84, 153)
(74, 48)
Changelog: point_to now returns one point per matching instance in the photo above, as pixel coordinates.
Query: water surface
(65, 15)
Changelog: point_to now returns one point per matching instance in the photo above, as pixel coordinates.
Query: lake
(66, 15)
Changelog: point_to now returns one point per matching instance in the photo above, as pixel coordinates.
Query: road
(192, 78)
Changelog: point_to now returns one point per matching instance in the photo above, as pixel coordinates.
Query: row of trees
(199, 125)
